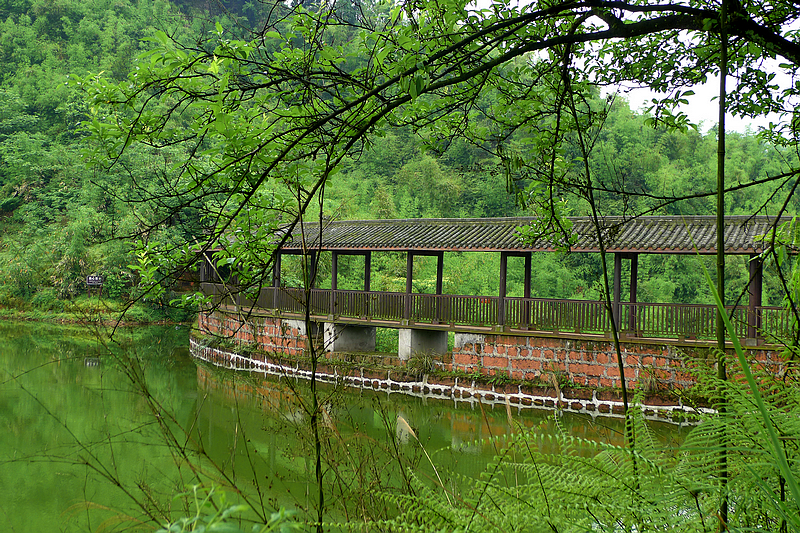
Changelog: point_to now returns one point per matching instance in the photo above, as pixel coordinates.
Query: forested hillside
(63, 220)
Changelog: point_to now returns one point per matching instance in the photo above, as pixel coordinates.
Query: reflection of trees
(78, 433)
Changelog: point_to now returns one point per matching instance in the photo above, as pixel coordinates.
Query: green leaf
(381, 54)
(776, 451)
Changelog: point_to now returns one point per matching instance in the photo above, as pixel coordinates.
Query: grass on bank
(44, 306)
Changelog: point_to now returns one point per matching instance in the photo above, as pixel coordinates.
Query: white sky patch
(702, 108)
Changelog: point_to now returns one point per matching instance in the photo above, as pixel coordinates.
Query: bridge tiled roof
(655, 234)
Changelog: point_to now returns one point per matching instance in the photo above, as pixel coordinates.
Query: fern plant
(556, 482)
(559, 483)
(758, 489)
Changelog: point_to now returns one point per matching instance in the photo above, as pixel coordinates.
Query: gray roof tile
(658, 234)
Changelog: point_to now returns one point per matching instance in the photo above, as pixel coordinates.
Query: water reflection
(93, 432)
(73, 424)
(268, 438)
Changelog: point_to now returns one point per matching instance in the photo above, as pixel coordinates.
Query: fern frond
(560, 482)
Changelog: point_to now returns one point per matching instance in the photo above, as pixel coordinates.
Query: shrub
(46, 299)
(9, 204)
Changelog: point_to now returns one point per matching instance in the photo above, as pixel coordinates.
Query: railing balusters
(580, 316)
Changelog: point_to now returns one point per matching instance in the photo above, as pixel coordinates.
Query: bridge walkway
(589, 318)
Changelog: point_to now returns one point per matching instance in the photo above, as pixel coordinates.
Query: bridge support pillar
(413, 341)
(344, 338)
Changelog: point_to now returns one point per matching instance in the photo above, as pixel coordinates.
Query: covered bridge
(625, 238)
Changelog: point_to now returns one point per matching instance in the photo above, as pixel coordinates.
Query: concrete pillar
(463, 339)
(299, 325)
(348, 338)
(413, 341)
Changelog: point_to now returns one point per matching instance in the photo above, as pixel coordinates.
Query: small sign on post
(94, 282)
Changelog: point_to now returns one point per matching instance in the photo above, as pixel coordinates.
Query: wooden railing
(646, 320)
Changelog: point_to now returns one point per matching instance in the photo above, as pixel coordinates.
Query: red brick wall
(587, 363)
(271, 334)
(591, 364)
(452, 389)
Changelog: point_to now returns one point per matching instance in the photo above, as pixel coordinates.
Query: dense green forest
(62, 219)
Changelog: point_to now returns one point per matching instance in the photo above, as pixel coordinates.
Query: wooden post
(276, 278)
(439, 272)
(276, 270)
(409, 279)
(367, 282)
(206, 270)
(501, 310)
(334, 270)
(312, 268)
(334, 279)
(527, 294)
(367, 270)
(439, 285)
(615, 308)
(754, 292)
(634, 287)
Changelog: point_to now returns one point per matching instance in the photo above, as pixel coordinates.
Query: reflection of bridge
(347, 312)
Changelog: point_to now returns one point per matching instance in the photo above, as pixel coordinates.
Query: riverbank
(94, 310)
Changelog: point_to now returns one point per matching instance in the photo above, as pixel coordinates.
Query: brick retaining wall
(589, 363)
(270, 334)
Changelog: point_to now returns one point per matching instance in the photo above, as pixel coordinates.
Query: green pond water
(101, 436)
